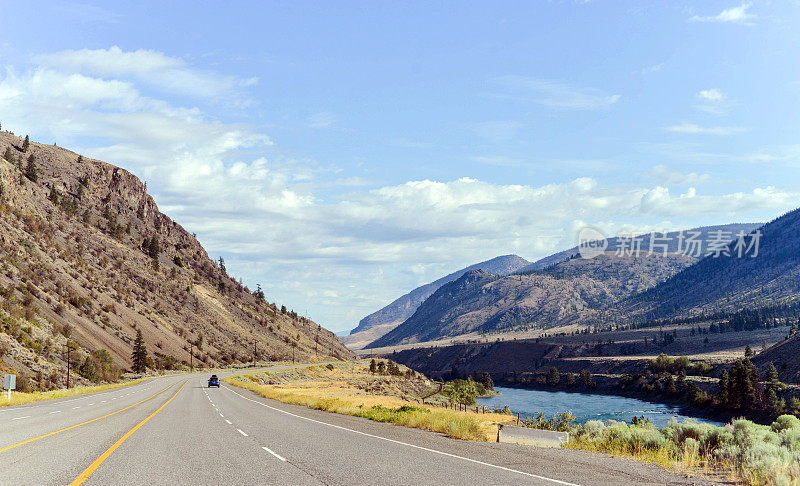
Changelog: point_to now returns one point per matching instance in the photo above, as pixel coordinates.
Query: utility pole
(69, 350)
(255, 352)
(191, 357)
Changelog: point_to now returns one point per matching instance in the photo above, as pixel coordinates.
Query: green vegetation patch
(748, 452)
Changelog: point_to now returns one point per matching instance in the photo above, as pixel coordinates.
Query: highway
(174, 430)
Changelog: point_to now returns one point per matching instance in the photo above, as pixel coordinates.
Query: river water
(584, 406)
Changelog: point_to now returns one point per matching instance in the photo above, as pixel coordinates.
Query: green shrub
(756, 453)
(785, 422)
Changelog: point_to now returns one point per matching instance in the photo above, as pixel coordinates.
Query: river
(584, 406)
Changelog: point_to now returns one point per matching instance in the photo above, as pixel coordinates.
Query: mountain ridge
(87, 257)
(575, 290)
(383, 320)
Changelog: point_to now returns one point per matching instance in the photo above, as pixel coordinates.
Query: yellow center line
(82, 423)
(90, 470)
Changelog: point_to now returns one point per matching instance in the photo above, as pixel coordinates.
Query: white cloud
(555, 94)
(712, 94)
(348, 248)
(712, 101)
(670, 176)
(734, 15)
(692, 128)
(659, 202)
(154, 68)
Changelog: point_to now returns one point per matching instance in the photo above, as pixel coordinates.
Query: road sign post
(10, 383)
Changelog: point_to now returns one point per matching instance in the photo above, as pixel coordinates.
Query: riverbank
(350, 388)
(696, 396)
(585, 406)
(612, 388)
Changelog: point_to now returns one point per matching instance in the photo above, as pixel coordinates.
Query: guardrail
(528, 436)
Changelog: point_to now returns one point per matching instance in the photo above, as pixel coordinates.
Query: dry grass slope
(350, 389)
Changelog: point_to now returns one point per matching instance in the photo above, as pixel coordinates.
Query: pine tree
(772, 400)
(373, 367)
(724, 388)
(772, 373)
(53, 197)
(139, 354)
(30, 169)
(222, 265)
(26, 144)
(154, 248)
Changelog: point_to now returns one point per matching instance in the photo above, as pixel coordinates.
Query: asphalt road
(174, 430)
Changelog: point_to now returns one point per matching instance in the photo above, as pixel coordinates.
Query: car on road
(213, 381)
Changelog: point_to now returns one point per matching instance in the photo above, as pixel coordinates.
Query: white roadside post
(10, 383)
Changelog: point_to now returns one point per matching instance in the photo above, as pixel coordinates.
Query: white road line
(90, 404)
(20, 418)
(75, 408)
(229, 422)
(55, 411)
(434, 451)
(274, 454)
(240, 431)
(102, 401)
(221, 415)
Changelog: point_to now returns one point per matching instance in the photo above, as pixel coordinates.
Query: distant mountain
(86, 257)
(731, 282)
(384, 320)
(671, 239)
(572, 291)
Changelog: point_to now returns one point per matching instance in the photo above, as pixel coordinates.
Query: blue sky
(342, 153)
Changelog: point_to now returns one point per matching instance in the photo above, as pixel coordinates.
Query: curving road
(173, 430)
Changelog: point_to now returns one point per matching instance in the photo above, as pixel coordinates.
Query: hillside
(731, 282)
(784, 355)
(384, 320)
(573, 291)
(86, 256)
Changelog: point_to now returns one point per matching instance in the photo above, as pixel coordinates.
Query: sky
(342, 153)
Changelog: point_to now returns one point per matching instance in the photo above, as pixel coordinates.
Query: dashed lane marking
(82, 423)
(274, 454)
(414, 446)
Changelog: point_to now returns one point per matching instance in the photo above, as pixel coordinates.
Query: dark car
(213, 381)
